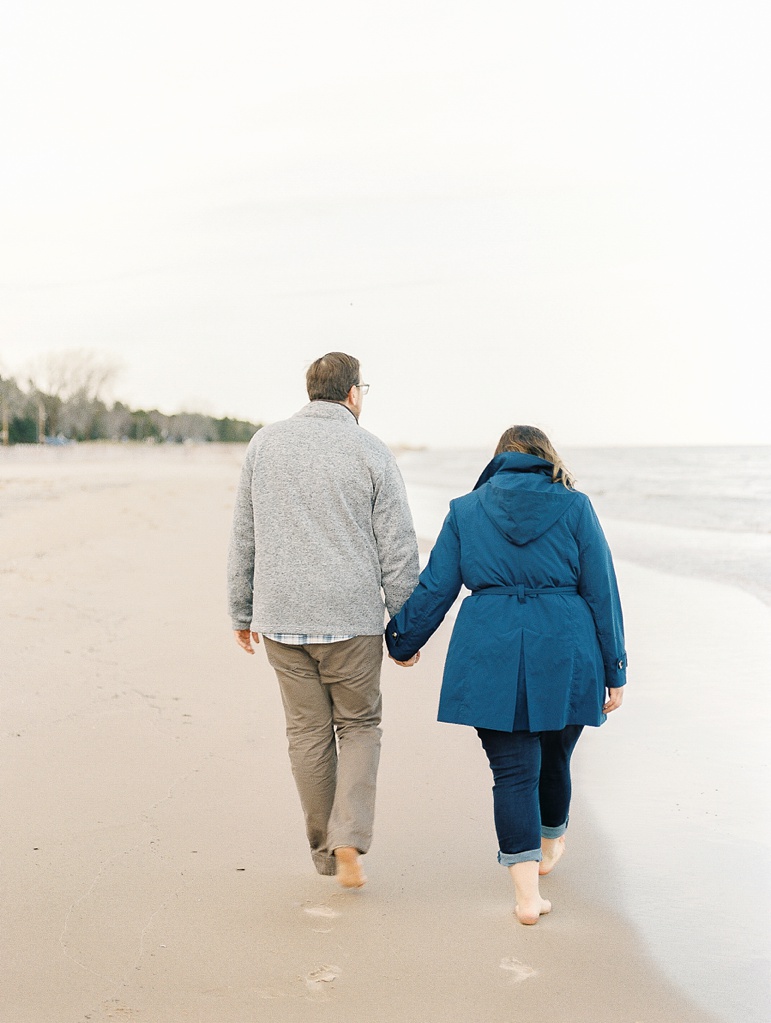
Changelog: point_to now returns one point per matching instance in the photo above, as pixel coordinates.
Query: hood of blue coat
(517, 493)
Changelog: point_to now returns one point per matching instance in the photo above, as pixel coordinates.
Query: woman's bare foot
(530, 906)
(551, 850)
(529, 913)
(349, 873)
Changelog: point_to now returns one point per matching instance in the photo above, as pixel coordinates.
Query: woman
(535, 646)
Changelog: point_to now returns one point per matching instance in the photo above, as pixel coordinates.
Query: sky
(551, 212)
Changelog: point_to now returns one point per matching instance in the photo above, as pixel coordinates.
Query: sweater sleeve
(241, 551)
(597, 585)
(439, 585)
(397, 545)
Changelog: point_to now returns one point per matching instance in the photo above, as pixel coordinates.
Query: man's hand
(615, 696)
(244, 639)
(407, 664)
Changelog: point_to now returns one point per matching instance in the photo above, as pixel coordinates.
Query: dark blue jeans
(531, 790)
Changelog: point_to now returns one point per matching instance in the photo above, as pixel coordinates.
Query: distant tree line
(64, 403)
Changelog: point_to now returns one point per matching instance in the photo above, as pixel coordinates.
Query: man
(321, 533)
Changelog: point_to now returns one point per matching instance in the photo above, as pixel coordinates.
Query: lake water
(703, 512)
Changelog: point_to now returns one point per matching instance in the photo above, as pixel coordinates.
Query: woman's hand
(407, 664)
(615, 697)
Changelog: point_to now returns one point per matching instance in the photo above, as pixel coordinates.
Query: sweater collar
(322, 409)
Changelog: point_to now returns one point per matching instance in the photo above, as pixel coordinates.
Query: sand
(154, 864)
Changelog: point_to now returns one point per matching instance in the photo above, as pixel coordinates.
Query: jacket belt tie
(520, 591)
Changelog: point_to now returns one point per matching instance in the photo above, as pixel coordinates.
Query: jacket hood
(518, 495)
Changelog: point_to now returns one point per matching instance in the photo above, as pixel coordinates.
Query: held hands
(407, 664)
(615, 696)
(244, 639)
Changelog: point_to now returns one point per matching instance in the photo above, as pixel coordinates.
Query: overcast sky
(546, 212)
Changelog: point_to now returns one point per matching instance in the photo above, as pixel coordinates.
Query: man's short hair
(331, 377)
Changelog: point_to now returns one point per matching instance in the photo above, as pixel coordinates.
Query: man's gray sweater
(321, 525)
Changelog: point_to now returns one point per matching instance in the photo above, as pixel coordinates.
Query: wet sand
(154, 861)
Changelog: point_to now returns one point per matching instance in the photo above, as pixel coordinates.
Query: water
(701, 512)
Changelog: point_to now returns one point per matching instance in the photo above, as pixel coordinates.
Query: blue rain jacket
(541, 634)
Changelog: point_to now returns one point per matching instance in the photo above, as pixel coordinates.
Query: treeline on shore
(35, 416)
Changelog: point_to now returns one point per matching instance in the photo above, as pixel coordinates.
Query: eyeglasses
(363, 388)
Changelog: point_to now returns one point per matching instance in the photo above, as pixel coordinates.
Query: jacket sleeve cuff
(395, 643)
(615, 673)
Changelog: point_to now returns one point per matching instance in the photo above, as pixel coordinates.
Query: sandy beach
(154, 865)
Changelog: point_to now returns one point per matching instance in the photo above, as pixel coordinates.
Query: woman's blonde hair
(532, 441)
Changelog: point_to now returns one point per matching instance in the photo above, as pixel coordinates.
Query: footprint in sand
(520, 971)
(324, 911)
(317, 980)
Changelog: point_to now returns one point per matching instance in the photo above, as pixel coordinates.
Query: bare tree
(69, 387)
(76, 372)
(117, 422)
(13, 403)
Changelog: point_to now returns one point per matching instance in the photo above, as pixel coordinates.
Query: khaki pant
(332, 702)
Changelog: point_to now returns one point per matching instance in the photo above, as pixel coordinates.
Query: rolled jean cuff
(557, 832)
(509, 859)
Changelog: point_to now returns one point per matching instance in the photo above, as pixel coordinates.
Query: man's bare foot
(349, 873)
(551, 850)
(530, 912)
